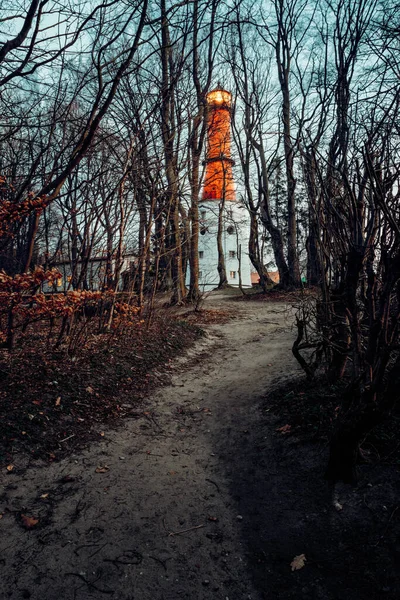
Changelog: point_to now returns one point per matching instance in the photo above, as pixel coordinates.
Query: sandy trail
(170, 516)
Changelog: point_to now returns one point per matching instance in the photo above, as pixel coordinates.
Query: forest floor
(207, 489)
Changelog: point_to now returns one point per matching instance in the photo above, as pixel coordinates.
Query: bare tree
(355, 187)
(252, 88)
(202, 70)
(29, 57)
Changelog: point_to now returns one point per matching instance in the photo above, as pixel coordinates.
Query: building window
(229, 213)
(203, 230)
(230, 229)
(59, 281)
(203, 214)
(201, 254)
(232, 254)
(232, 274)
(200, 274)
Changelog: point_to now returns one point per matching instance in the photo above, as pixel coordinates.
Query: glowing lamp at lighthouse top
(219, 97)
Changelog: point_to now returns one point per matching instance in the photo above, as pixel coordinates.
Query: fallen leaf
(89, 390)
(284, 429)
(58, 401)
(213, 518)
(102, 469)
(29, 522)
(23, 432)
(337, 505)
(1, 516)
(10, 468)
(37, 402)
(172, 472)
(102, 433)
(298, 562)
(44, 496)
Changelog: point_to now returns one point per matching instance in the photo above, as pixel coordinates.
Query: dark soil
(309, 410)
(275, 294)
(52, 403)
(350, 535)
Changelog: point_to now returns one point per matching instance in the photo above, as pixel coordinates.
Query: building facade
(91, 273)
(234, 244)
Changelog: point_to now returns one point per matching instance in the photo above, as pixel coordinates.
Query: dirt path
(171, 468)
(198, 497)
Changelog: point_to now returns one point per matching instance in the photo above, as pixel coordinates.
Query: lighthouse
(219, 211)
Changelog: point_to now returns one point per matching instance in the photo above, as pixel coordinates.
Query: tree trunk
(292, 256)
(275, 232)
(286, 19)
(221, 257)
(32, 231)
(314, 266)
(143, 249)
(341, 337)
(170, 155)
(194, 290)
(109, 277)
(254, 252)
(178, 284)
(313, 263)
(74, 248)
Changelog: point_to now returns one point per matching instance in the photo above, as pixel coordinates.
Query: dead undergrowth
(275, 295)
(51, 402)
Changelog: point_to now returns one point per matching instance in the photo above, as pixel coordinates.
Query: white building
(234, 244)
(94, 273)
